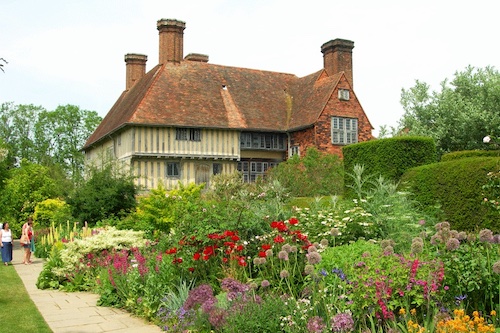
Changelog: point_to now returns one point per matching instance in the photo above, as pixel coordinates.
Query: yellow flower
(493, 313)
(413, 312)
(402, 311)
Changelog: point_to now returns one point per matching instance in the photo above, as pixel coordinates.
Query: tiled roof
(198, 94)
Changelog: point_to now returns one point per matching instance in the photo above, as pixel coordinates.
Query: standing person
(6, 235)
(28, 232)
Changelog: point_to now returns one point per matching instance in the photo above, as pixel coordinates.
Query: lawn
(19, 313)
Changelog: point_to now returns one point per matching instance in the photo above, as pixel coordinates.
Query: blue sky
(72, 52)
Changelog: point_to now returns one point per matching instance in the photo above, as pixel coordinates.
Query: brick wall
(320, 135)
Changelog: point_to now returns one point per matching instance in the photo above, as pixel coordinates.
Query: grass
(18, 312)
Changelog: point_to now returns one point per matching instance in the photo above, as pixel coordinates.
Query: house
(186, 119)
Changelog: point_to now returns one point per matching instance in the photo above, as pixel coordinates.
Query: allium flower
(315, 325)
(334, 232)
(342, 322)
(417, 247)
(421, 222)
(485, 235)
(312, 248)
(229, 284)
(265, 284)
(284, 274)
(199, 295)
(496, 267)
(324, 242)
(283, 255)
(452, 244)
(462, 235)
(308, 269)
(313, 258)
(287, 248)
(293, 249)
(269, 253)
(388, 250)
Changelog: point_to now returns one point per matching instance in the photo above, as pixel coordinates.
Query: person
(6, 235)
(28, 232)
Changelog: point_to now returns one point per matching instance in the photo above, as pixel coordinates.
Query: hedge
(469, 153)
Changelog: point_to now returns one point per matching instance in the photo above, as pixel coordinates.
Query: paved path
(75, 312)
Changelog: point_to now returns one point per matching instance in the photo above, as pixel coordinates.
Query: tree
(48, 137)
(106, 193)
(25, 187)
(1, 65)
(460, 115)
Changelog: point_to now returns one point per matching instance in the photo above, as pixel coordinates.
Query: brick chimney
(196, 57)
(337, 57)
(171, 40)
(136, 68)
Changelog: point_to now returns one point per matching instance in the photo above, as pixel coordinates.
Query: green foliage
(469, 153)
(49, 138)
(106, 193)
(51, 211)
(257, 317)
(314, 174)
(160, 210)
(459, 115)
(27, 186)
(456, 186)
(388, 158)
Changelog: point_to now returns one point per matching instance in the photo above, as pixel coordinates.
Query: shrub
(388, 158)
(51, 211)
(469, 153)
(456, 186)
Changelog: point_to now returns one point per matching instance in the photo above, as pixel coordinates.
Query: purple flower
(342, 322)
(486, 235)
(452, 244)
(313, 258)
(315, 325)
(198, 296)
(265, 284)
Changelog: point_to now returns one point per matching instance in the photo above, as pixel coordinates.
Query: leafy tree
(460, 115)
(106, 193)
(48, 137)
(25, 187)
(51, 211)
(314, 174)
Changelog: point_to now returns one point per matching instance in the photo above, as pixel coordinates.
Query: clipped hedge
(456, 186)
(390, 157)
(469, 153)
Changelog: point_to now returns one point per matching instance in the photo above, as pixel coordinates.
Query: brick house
(187, 119)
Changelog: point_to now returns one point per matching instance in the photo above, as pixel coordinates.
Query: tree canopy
(457, 117)
(47, 137)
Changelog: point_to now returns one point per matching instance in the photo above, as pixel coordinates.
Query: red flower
(262, 254)
(239, 248)
(177, 261)
(205, 257)
(229, 244)
(241, 261)
(235, 238)
(191, 269)
(214, 236)
(279, 239)
(196, 256)
(171, 251)
(266, 247)
(274, 224)
(293, 221)
(209, 250)
(224, 260)
(229, 233)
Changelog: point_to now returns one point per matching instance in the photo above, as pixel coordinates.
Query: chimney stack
(136, 68)
(171, 40)
(337, 57)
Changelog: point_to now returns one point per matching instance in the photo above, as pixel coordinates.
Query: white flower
(487, 139)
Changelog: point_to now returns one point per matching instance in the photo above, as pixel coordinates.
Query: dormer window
(344, 94)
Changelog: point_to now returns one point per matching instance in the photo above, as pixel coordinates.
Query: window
(262, 141)
(344, 130)
(172, 169)
(255, 169)
(217, 168)
(295, 150)
(343, 94)
(185, 134)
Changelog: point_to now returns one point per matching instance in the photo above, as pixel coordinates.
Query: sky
(72, 51)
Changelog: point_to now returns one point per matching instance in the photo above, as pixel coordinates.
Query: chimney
(197, 57)
(337, 57)
(171, 40)
(136, 68)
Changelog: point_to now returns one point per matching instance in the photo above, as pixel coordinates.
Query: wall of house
(320, 135)
(150, 172)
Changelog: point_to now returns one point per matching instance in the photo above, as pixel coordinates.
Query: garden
(239, 257)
